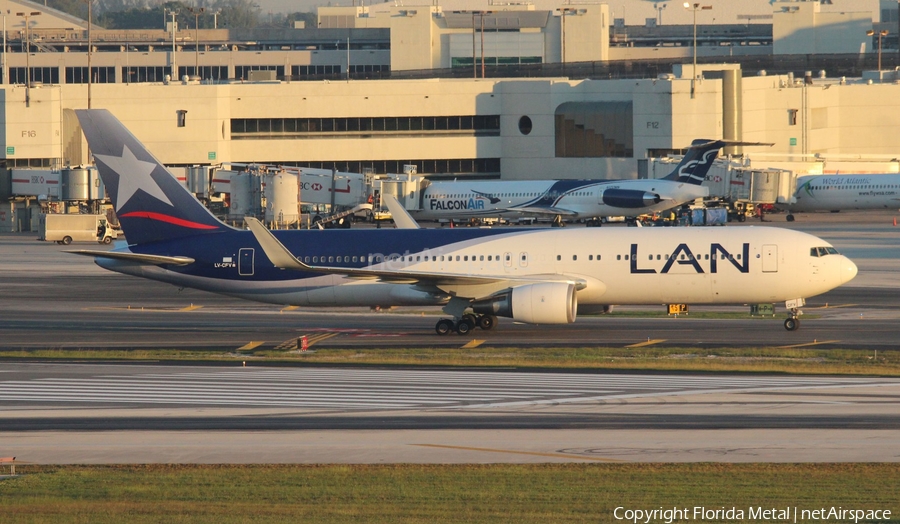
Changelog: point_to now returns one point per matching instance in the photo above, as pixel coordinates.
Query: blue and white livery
(536, 276)
(573, 199)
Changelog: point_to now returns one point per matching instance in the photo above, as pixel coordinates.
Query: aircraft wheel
(792, 324)
(443, 327)
(487, 322)
(789, 218)
(106, 240)
(464, 326)
(66, 240)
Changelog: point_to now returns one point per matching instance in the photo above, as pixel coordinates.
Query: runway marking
(192, 307)
(814, 343)
(289, 308)
(533, 453)
(253, 344)
(387, 389)
(294, 343)
(647, 343)
(826, 306)
(474, 343)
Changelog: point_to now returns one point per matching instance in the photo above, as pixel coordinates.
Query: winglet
(398, 213)
(275, 250)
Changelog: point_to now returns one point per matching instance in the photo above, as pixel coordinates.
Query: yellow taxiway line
(473, 344)
(813, 343)
(647, 343)
(253, 344)
(532, 453)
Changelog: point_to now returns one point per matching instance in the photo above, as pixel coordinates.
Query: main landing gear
(466, 324)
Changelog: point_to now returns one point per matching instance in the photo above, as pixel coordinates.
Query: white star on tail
(133, 174)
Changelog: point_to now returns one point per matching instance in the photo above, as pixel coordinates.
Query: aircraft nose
(848, 270)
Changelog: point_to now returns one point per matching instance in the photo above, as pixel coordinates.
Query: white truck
(66, 228)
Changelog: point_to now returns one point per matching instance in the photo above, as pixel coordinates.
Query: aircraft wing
(282, 258)
(154, 260)
(544, 211)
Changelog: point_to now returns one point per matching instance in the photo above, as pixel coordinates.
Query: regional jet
(535, 276)
(573, 199)
(838, 192)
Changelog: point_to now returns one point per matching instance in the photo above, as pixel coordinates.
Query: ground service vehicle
(68, 228)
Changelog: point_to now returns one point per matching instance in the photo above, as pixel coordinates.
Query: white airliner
(845, 192)
(536, 275)
(574, 199)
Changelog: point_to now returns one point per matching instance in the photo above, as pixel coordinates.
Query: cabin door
(245, 262)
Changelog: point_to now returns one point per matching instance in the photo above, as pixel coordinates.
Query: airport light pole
(880, 35)
(197, 11)
(659, 9)
(90, 4)
(695, 7)
(563, 12)
(174, 28)
(27, 53)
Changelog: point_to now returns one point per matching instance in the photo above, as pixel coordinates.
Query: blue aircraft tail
(696, 162)
(150, 203)
(700, 157)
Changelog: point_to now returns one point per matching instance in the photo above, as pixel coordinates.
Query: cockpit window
(822, 251)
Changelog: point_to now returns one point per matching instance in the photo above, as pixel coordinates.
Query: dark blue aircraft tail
(696, 162)
(699, 159)
(150, 203)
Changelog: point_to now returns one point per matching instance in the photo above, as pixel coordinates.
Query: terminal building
(377, 91)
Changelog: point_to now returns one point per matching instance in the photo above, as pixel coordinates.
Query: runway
(89, 413)
(114, 413)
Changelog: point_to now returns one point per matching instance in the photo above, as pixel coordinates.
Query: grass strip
(749, 360)
(497, 493)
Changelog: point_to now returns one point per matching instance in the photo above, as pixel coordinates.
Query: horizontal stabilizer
(543, 211)
(726, 143)
(153, 260)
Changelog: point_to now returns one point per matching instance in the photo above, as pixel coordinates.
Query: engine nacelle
(542, 303)
(630, 198)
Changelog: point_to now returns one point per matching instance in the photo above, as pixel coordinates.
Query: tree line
(149, 14)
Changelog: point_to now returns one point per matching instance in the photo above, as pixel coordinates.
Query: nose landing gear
(793, 323)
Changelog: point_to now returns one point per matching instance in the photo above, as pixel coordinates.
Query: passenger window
(558, 257)
(626, 257)
(590, 257)
(315, 259)
(489, 258)
(481, 258)
(347, 259)
(466, 258)
(354, 258)
(574, 257)
(457, 258)
(330, 259)
(618, 257)
(306, 259)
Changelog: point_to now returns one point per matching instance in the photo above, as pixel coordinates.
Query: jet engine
(541, 303)
(630, 198)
